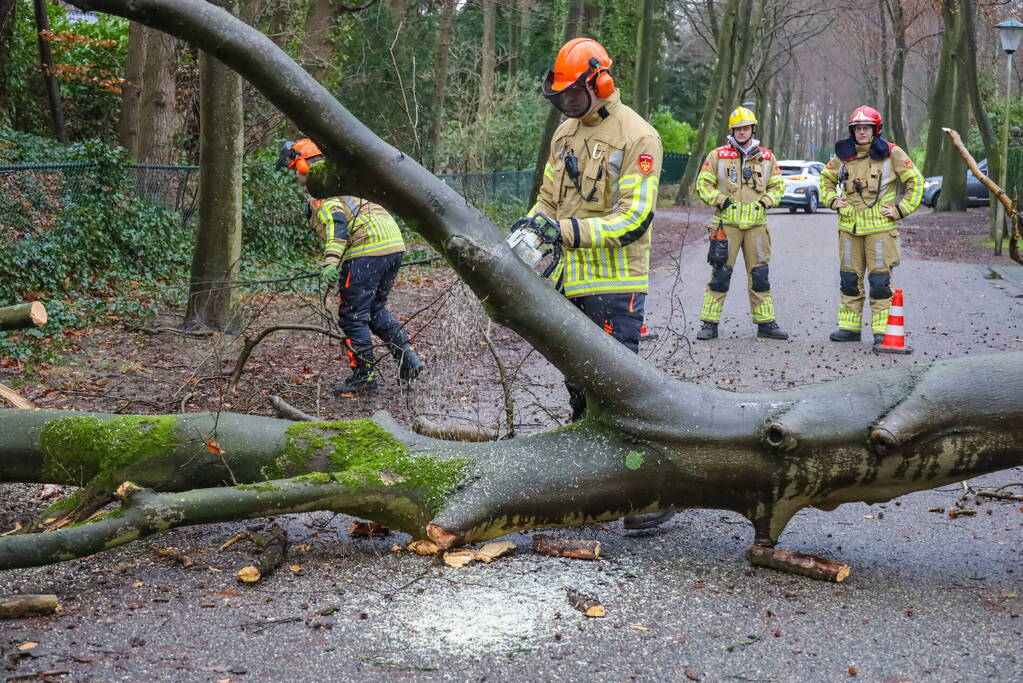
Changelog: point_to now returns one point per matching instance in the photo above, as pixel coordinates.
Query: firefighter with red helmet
(362, 253)
(859, 182)
(600, 185)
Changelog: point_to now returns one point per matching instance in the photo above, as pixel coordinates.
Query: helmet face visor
(573, 101)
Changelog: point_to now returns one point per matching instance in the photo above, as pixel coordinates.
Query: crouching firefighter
(362, 253)
(741, 180)
(600, 187)
(860, 183)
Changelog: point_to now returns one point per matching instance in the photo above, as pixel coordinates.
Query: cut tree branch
(22, 316)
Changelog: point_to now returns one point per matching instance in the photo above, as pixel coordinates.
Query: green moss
(634, 460)
(63, 505)
(127, 537)
(76, 449)
(314, 478)
(116, 513)
(360, 453)
(262, 487)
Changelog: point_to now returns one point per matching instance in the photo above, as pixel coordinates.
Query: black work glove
(725, 204)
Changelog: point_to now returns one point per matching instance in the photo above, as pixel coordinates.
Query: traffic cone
(895, 334)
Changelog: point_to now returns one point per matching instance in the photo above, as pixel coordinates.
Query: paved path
(930, 598)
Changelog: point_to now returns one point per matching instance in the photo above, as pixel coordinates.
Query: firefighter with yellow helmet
(600, 186)
(741, 180)
(860, 183)
(362, 253)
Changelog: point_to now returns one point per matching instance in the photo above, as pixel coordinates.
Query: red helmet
(866, 116)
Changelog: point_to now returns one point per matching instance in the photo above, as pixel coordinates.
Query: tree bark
(940, 101)
(22, 316)
(317, 52)
(896, 108)
(648, 442)
(157, 115)
(131, 90)
(440, 79)
(216, 261)
(49, 74)
(8, 18)
(488, 67)
(957, 112)
(644, 57)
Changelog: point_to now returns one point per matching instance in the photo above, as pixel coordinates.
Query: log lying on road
(15, 606)
(22, 316)
(576, 548)
(797, 563)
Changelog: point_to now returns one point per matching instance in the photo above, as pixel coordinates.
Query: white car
(802, 182)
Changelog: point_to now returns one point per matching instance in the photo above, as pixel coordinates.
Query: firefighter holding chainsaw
(741, 180)
(362, 253)
(860, 183)
(599, 190)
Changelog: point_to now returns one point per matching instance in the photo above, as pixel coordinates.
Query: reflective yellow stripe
(711, 310)
(763, 312)
(849, 319)
(879, 322)
(373, 248)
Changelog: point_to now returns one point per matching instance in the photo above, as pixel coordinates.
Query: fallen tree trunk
(766, 456)
(22, 316)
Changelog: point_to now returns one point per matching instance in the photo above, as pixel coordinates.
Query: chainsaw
(530, 237)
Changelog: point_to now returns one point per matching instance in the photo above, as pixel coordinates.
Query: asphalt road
(930, 597)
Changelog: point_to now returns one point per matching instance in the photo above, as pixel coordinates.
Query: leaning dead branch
(14, 398)
(15, 606)
(251, 342)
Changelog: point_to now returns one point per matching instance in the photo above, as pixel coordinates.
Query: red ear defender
(602, 82)
(301, 166)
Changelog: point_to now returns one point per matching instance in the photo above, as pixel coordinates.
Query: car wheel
(811, 205)
(934, 199)
(792, 209)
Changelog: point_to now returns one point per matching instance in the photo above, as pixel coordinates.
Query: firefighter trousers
(875, 254)
(364, 285)
(755, 244)
(621, 316)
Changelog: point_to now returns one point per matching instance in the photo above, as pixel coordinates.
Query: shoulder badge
(908, 162)
(727, 152)
(768, 154)
(646, 163)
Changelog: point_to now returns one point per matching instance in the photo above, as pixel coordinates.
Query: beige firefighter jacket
(606, 210)
(352, 227)
(723, 175)
(868, 185)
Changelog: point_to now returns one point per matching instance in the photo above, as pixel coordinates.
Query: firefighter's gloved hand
(845, 211)
(547, 228)
(766, 202)
(725, 204)
(328, 274)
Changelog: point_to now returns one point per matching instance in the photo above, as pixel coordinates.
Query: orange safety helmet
(581, 62)
(866, 116)
(299, 155)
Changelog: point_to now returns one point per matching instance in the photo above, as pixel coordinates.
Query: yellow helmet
(741, 117)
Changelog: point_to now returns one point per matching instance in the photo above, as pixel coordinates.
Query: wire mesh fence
(489, 188)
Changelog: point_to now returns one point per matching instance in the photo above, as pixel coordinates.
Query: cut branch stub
(22, 316)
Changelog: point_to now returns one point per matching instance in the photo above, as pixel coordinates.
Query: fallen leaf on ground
(596, 611)
(27, 646)
(368, 530)
(634, 627)
(249, 574)
(214, 447)
(492, 551)
(692, 674)
(422, 547)
(459, 558)
(295, 569)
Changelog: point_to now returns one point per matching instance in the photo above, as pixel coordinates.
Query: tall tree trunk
(8, 17)
(644, 57)
(577, 10)
(709, 119)
(317, 51)
(213, 292)
(968, 66)
(488, 66)
(49, 75)
(157, 108)
(941, 102)
(951, 166)
(440, 79)
(131, 90)
(896, 114)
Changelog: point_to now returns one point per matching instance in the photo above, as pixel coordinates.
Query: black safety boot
(845, 335)
(647, 521)
(363, 375)
(878, 339)
(707, 331)
(409, 362)
(771, 330)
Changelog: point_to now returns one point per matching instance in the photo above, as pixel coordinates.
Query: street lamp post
(1010, 33)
